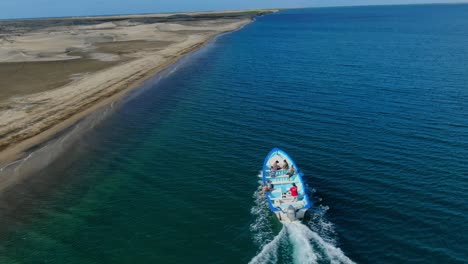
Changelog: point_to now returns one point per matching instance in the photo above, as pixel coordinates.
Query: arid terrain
(54, 71)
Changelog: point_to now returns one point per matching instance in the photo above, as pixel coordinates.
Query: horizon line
(462, 2)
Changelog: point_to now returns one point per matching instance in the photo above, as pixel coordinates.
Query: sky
(59, 8)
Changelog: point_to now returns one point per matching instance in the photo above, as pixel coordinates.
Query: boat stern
(291, 215)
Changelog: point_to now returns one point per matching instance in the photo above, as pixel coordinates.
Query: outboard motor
(291, 213)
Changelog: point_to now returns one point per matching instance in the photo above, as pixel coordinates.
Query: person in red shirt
(293, 191)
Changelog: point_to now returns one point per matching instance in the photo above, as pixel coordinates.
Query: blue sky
(54, 8)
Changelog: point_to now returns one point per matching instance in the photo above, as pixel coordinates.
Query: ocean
(371, 103)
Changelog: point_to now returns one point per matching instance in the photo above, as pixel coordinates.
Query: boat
(286, 207)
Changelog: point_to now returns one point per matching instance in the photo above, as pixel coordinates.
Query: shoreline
(15, 154)
(19, 150)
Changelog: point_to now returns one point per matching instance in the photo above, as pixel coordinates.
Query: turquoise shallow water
(371, 102)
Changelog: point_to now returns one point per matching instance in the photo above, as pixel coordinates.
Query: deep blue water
(371, 102)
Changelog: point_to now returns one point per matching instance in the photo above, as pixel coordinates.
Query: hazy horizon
(55, 8)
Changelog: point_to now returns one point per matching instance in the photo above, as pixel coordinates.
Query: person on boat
(293, 191)
(285, 165)
(272, 172)
(291, 172)
(276, 165)
(268, 187)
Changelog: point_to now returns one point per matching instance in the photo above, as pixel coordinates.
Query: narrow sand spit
(54, 72)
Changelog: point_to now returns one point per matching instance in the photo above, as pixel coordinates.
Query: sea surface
(371, 102)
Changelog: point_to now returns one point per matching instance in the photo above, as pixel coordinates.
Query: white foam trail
(269, 253)
(332, 253)
(308, 246)
(262, 230)
(319, 224)
(261, 227)
(303, 251)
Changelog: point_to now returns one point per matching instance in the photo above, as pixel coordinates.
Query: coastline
(13, 153)
(21, 148)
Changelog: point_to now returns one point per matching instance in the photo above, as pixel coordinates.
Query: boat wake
(269, 253)
(310, 242)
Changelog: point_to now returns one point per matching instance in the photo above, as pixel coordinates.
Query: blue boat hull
(280, 200)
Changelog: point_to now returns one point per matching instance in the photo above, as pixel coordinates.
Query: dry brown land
(54, 71)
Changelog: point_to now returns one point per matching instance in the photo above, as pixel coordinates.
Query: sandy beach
(55, 71)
